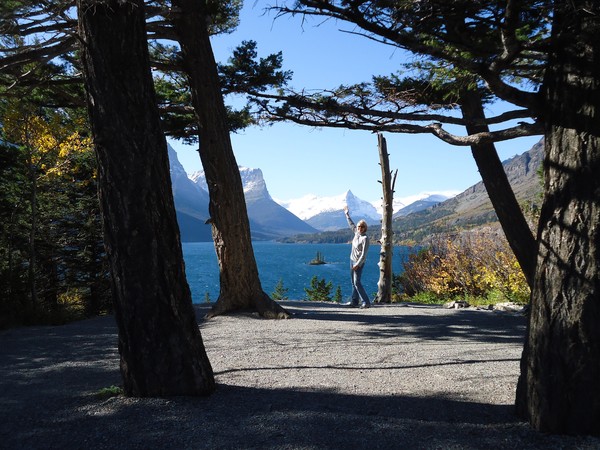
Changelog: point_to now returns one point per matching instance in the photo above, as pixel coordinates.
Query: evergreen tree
(160, 346)
(240, 285)
(191, 104)
(541, 57)
(337, 298)
(319, 290)
(280, 292)
(425, 96)
(52, 222)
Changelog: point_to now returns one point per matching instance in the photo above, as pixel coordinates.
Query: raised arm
(350, 222)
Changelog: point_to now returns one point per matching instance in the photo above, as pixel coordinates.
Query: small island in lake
(318, 260)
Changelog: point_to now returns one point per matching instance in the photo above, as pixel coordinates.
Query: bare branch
(38, 53)
(335, 110)
(436, 129)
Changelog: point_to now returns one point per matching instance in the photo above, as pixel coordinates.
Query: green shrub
(338, 295)
(280, 292)
(111, 391)
(427, 298)
(319, 290)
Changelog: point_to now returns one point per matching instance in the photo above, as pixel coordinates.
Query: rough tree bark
(240, 285)
(388, 181)
(161, 349)
(511, 217)
(562, 357)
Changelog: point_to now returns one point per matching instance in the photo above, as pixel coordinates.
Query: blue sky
(298, 160)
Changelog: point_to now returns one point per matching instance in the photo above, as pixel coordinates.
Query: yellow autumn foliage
(466, 265)
(54, 147)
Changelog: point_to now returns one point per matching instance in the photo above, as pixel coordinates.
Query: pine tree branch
(379, 22)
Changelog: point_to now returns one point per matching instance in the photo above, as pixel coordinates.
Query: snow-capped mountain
(326, 213)
(191, 203)
(421, 204)
(252, 181)
(398, 205)
(310, 205)
(268, 220)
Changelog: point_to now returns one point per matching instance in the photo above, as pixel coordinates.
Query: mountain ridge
(268, 220)
(472, 207)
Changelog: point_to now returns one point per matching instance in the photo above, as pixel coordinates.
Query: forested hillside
(473, 207)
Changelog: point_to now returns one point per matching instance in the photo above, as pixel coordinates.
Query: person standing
(358, 256)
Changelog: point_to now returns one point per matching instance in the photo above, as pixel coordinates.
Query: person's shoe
(365, 305)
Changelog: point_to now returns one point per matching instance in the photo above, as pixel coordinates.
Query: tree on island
(318, 260)
(471, 53)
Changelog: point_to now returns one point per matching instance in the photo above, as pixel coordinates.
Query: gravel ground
(405, 377)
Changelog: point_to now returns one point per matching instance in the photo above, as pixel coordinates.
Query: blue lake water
(288, 262)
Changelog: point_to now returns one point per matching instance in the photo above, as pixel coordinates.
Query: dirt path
(332, 377)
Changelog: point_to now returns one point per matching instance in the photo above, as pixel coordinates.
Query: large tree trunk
(161, 349)
(511, 218)
(384, 285)
(563, 358)
(240, 285)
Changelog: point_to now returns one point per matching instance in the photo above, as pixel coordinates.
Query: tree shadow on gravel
(466, 324)
(48, 377)
(477, 326)
(362, 367)
(43, 364)
(250, 418)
